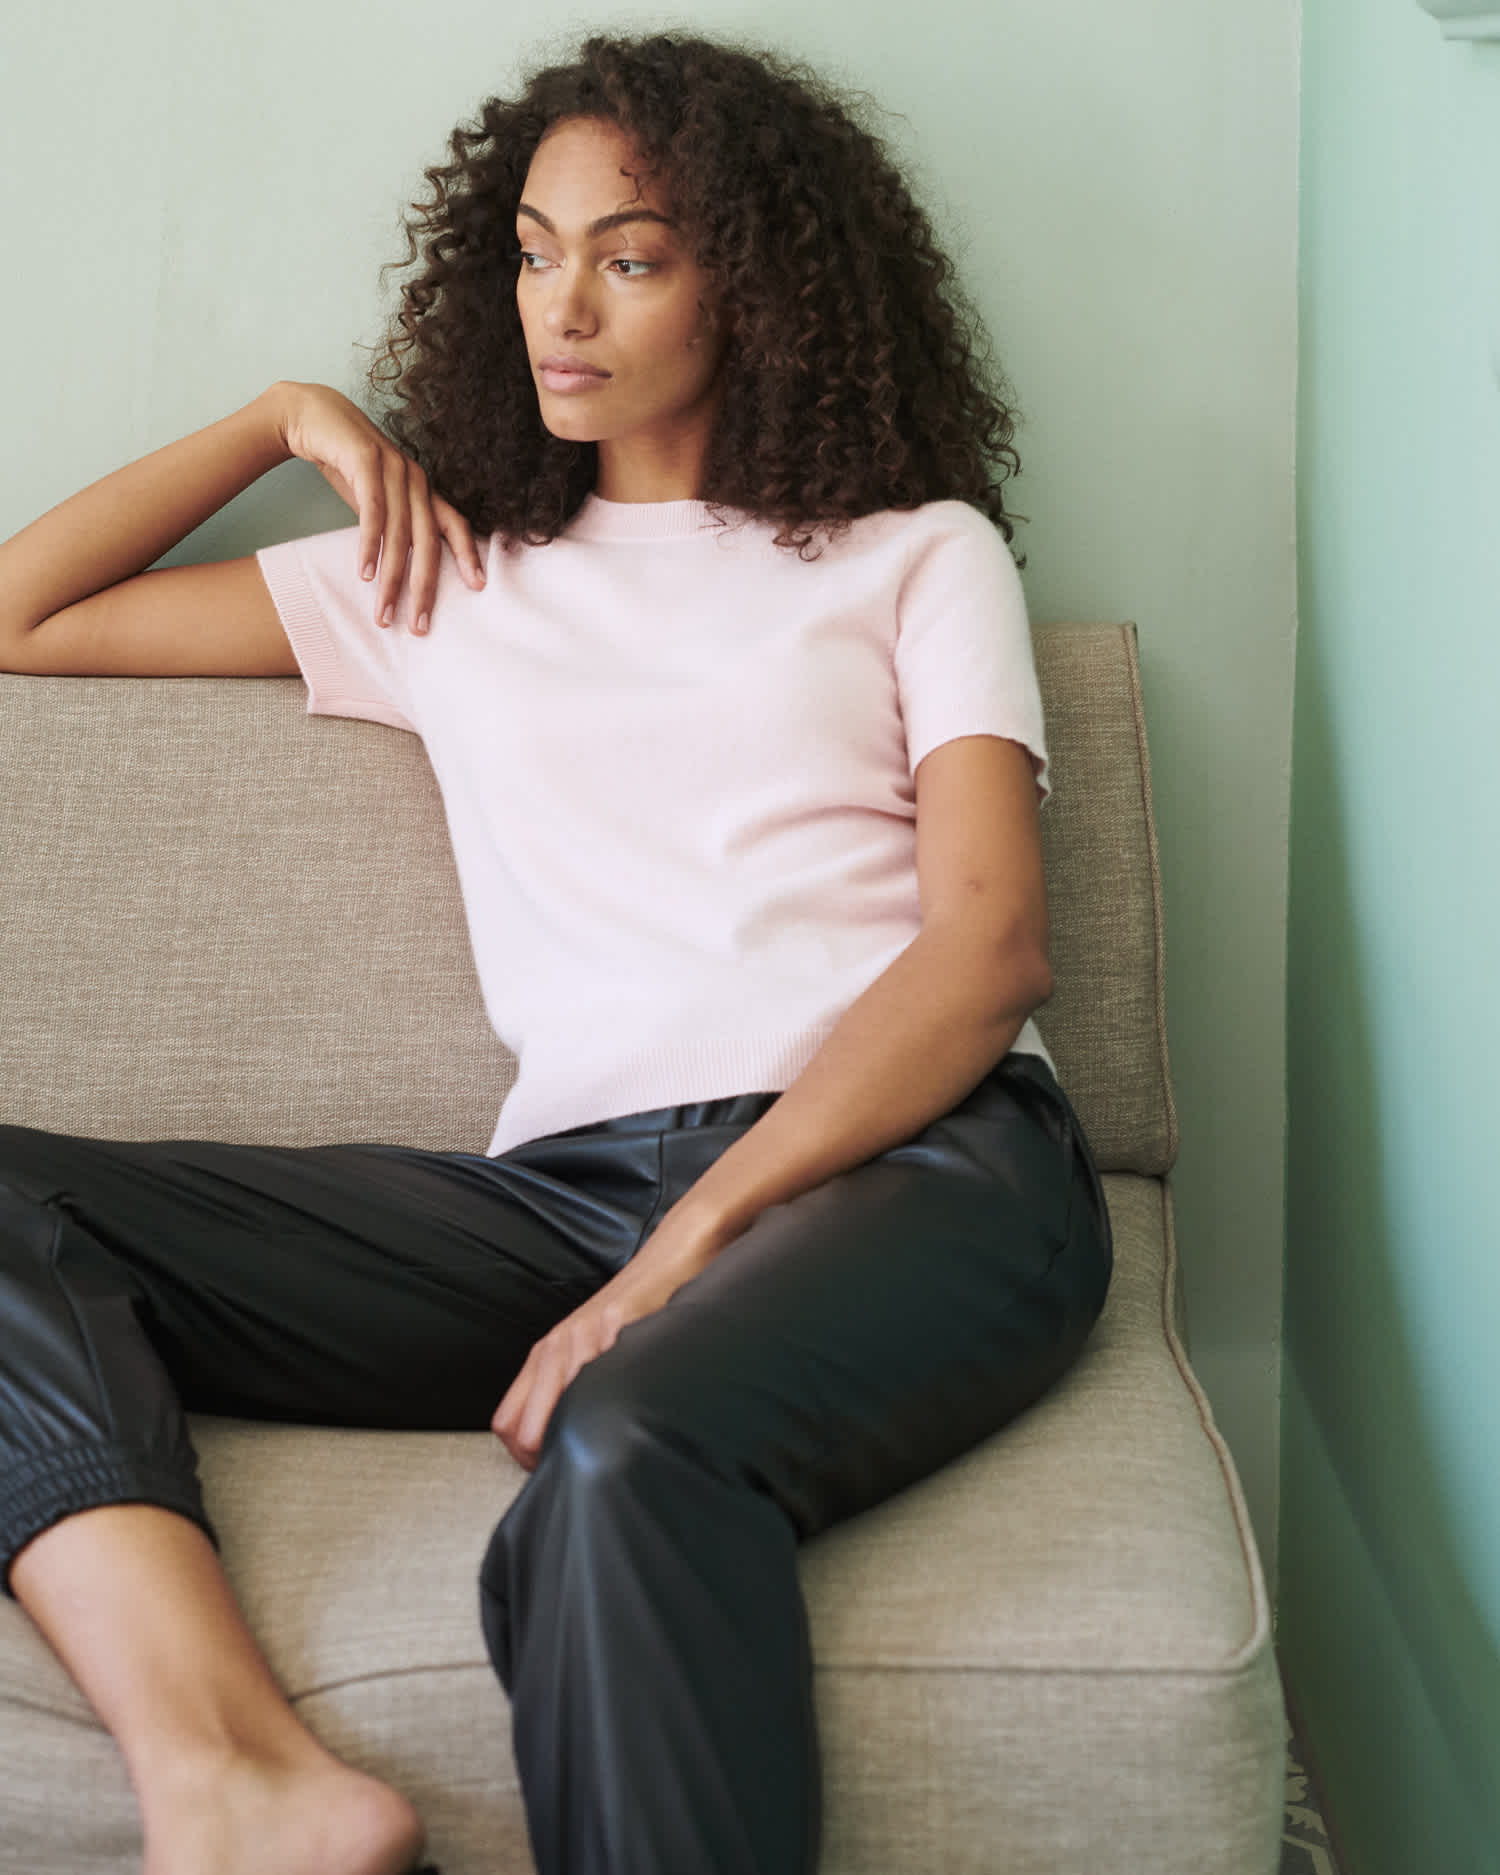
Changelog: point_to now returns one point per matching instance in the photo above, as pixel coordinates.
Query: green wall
(199, 200)
(1390, 1558)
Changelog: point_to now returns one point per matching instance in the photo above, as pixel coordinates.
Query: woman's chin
(568, 424)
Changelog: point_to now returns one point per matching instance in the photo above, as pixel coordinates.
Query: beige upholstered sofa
(220, 917)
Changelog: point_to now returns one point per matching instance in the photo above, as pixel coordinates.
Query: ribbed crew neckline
(598, 519)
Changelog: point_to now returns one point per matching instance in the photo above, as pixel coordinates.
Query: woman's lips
(568, 375)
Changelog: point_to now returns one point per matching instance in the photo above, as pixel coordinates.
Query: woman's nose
(569, 309)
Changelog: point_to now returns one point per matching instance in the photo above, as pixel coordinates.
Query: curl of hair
(856, 378)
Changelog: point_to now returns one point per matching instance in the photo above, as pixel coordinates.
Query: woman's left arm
(925, 1033)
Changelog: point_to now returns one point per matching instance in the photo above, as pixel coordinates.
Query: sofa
(223, 918)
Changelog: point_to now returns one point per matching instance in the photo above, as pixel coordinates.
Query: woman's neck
(649, 468)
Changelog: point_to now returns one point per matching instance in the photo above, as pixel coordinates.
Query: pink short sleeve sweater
(677, 763)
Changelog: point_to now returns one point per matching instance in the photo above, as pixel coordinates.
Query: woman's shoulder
(928, 525)
(939, 542)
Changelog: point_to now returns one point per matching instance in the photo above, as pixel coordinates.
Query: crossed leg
(641, 1599)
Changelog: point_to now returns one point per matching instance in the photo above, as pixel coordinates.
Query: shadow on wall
(1398, 1674)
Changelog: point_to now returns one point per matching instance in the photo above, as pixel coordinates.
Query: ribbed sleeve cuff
(302, 620)
(330, 689)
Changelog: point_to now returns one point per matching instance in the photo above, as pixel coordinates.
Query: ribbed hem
(644, 520)
(557, 1097)
(39, 1492)
(543, 1103)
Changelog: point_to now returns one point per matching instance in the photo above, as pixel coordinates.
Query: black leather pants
(640, 1598)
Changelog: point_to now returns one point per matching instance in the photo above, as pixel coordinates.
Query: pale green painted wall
(199, 199)
(1391, 1533)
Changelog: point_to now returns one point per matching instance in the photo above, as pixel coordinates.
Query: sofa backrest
(220, 918)
(1106, 1023)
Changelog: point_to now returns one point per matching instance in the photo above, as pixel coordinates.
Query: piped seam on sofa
(324, 1687)
(1243, 1666)
(85, 1721)
(1259, 1600)
(1238, 1666)
(1153, 863)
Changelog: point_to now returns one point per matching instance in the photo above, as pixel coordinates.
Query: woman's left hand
(674, 1254)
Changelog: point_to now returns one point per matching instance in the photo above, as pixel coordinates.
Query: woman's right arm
(75, 600)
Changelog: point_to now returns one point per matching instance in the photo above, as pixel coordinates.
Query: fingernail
(369, 572)
(388, 617)
(422, 623)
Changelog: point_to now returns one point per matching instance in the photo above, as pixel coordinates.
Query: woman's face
(612, 304)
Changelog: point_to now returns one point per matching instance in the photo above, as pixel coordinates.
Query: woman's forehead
(586, 168)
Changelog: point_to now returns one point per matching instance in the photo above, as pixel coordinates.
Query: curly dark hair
(857, 376)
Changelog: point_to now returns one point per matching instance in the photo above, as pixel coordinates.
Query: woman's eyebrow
(604, 222)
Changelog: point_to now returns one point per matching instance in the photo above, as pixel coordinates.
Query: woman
(687, 564)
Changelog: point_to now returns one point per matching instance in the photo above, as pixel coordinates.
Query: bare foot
(246, 1816)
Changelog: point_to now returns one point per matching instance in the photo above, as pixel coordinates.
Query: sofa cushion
(1061, 1639)
(193, 874)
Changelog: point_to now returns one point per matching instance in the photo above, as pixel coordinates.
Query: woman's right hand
(402, 524)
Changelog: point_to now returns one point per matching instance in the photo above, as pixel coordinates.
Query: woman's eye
(532, 263)
(636, 267)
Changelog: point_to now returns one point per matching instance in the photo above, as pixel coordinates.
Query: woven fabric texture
(226, 920)
(222, 919)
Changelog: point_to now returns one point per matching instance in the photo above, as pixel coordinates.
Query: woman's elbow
(1001, 963)
(1036, 982)
(1024, 976)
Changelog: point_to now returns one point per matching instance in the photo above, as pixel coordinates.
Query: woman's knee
(612, 1480)
(624, 1415)
(625, 1447)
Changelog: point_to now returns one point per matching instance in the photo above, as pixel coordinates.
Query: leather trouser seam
(649, 1222)
(54, 1209)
